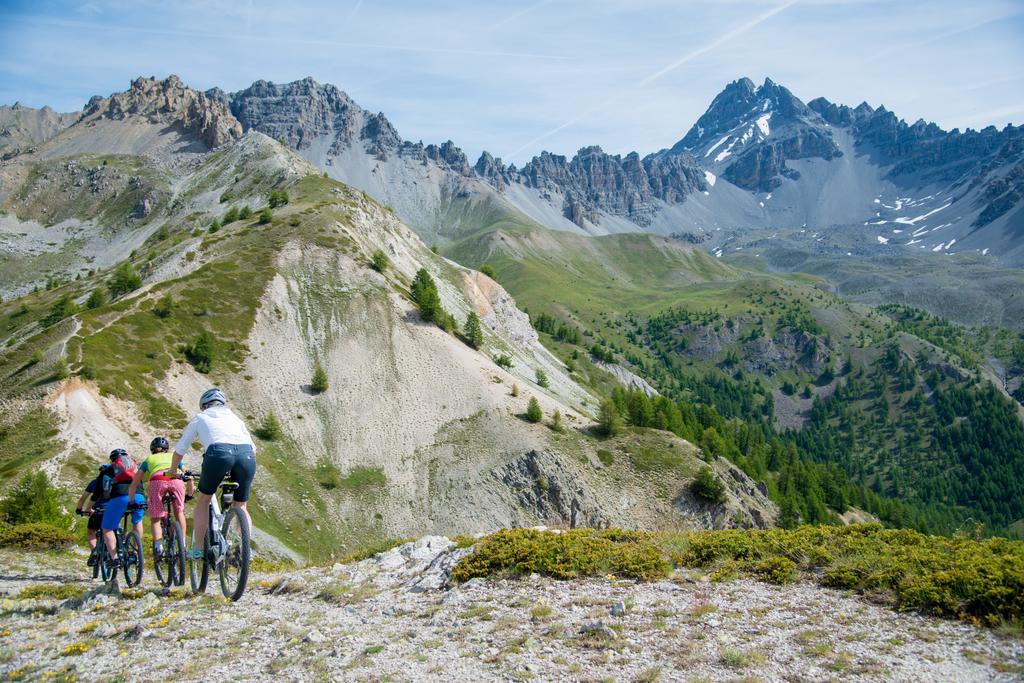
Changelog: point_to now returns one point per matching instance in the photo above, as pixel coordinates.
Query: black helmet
(118, 453)
(160, 443)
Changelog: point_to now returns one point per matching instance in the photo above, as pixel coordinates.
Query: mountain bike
(97, 561)
(226, 546)
(169, 563)
(129, 550)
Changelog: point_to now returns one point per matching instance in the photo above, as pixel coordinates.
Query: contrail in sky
(296, 41)
(647, 80)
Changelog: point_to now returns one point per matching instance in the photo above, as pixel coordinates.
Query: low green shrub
(375, 548)
(572, 553)
(361, 477)
(35, 536)
(981, 581)
(949, 576)
(379, 261)
(51, 591)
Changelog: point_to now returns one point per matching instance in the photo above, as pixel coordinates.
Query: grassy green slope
(631, 271)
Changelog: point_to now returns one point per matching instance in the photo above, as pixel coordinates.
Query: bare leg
(92, 538)
(111, 542)
(245, 511)
(158, 532)
(201, 518)
(180, 516)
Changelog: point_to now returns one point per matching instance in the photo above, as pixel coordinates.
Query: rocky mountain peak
(299, 112)
(748, 133)
(493, 171)
(448, 154)
(170, 101)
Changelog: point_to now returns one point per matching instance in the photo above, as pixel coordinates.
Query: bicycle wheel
(234, 566)
(101, 560)
(163, 562)
(97, 558)
(174, 547)
(132, 559)
(199, 570)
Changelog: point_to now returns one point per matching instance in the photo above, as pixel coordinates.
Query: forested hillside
(832, 405)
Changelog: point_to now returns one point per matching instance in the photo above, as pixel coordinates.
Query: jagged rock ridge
(170, 101)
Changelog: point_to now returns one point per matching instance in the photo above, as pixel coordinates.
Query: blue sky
(518, 77)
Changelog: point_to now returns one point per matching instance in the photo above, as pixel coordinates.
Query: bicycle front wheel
(234, 565)
(132, 559)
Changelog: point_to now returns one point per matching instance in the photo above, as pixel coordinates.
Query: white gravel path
(362, 622)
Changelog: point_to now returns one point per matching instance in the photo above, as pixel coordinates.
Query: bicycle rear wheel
(163, 561)
(234, 565)
(132, 559)
(199, 570)
(101, 562)
(175, 548)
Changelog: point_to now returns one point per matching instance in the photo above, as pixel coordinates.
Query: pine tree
(277, 198)
(708, 487)
(202, 352)
(164, 307)
(319, 383)
(424, 293)
(32, 499)
(214, 226)
(64, 307)
(231, 216)
(533, 411)
(269, 429)
(266, 215)
(124, 280)
(472, 332)
(96, 299)
(556, 422)
(608, 420)
(542, 377)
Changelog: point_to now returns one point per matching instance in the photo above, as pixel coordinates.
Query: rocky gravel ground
(389, 618)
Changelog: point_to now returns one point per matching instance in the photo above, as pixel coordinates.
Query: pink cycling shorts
(157, 489)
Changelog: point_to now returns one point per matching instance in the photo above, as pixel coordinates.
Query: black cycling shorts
(95, 519)
(221, 458)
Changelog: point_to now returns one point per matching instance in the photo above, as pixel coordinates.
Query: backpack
(104, 483)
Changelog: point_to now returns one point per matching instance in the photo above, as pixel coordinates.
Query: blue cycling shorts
(115, 508)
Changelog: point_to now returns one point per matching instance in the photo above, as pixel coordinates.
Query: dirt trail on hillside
(384, 618)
